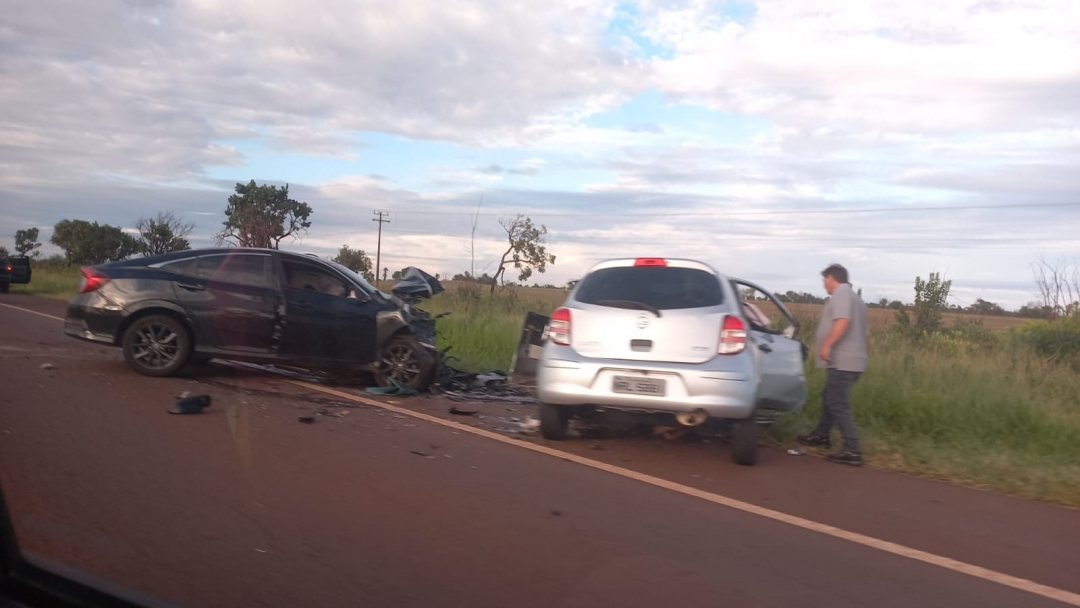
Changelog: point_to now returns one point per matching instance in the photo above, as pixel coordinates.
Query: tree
(1058, 284)
(4, 253)
(357, 261)
(163, 234)
(88, 243)
(931, 297)
(263, 216)
(398, 274)
(26, 242)
(526, 250)
(983, 308)
(385, 271)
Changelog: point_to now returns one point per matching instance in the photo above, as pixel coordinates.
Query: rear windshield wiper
(630, 304)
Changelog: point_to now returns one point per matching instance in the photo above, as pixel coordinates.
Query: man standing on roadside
(841, 347)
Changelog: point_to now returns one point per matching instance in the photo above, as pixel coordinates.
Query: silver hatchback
(674, 337)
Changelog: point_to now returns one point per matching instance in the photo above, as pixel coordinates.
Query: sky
(768, 139)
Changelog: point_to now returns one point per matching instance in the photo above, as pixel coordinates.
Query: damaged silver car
(666, 337)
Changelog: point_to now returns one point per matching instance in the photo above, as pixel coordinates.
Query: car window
(310, 277)
(237, 269)
(663, 288)
(23, 262)
(186, 267)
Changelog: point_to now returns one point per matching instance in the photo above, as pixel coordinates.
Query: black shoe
(846, 457)
(814, 440)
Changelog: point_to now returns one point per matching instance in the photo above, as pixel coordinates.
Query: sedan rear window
(662, 288)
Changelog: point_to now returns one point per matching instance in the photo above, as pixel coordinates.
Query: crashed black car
(258, 306)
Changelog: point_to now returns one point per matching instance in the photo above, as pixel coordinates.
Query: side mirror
(789, 332)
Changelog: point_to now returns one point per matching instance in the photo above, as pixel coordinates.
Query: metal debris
(47, 366)
(190, 405)
(306, 419)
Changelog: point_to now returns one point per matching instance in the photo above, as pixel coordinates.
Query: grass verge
(54, 283)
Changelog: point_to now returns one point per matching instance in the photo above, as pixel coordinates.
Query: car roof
(188, 253)
(652, 261)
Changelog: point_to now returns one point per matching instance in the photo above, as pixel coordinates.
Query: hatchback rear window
(663, 288)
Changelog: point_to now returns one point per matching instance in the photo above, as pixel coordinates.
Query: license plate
(632, 385)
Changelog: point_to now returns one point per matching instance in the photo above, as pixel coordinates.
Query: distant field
(879, 317)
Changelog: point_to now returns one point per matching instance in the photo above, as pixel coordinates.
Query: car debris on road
(190, 404)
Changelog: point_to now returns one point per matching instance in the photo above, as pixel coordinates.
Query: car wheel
(744, 436)
(554, 421)
(156, 345)
(406, 362)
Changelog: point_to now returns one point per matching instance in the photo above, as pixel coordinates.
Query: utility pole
(378, 250)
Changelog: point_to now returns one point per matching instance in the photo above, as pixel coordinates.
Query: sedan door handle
(191, 287)
(765, 348)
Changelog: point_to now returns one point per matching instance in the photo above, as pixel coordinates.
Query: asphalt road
(244, 506)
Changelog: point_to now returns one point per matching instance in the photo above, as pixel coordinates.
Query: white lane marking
(33, 312)
(1066, 597)
(1023, 584)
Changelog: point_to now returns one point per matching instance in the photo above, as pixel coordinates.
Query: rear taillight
(92, 280)
(650, 262)
(559, 328)
(732, 336)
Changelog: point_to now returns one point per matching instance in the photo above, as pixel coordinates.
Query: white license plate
(634, 385)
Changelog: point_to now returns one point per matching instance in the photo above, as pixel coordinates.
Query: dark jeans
(836, 407)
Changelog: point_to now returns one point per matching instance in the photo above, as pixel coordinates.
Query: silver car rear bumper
(724, 387)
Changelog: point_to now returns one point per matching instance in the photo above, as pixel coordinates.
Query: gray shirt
(849, 353)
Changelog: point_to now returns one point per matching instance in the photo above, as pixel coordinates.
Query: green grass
(975, 407)
(54, 283)
(482, 330)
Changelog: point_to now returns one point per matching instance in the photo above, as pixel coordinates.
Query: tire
(554, 421)
(157, 345)
(403, 359)
(744, 436)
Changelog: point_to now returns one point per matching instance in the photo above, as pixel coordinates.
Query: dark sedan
(253, 305)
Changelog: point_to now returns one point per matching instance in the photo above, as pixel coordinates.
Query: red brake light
(650, 262)
(732, 336)
(559, 328)
(92, 280)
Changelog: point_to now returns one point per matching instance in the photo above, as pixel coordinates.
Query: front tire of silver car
(744, 436)
(157, 345)
(554, 421)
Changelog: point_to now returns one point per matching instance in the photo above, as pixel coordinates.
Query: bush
(1058, 340)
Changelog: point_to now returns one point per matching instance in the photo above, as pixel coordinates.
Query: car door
(232, 299)
(779, 354)
(327, 317)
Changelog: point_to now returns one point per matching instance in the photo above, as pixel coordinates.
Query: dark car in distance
(253, 305)
(14, 271)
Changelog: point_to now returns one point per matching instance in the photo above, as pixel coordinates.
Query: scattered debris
(458, 385)
(597, 446)
(419, 452)
(47, 366)
(260, 551)
(531, 424)
(796, 451)
(395, 388)
(460, 412)
(306, 419)
(190, 404)
(556, 512)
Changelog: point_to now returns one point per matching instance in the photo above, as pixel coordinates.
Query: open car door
(781, 356)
